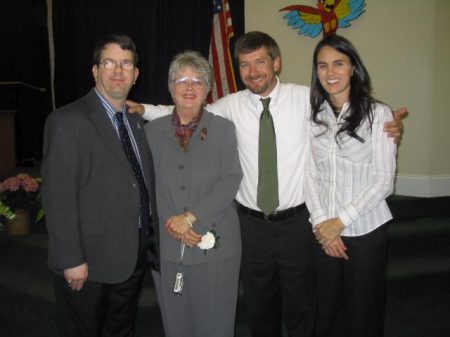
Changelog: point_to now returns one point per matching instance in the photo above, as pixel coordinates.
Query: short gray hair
(193, 60)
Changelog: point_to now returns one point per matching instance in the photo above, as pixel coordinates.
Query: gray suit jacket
(204, 180)
(89, 192)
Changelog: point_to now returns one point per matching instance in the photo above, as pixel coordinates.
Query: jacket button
(183, 188)
(181, 167)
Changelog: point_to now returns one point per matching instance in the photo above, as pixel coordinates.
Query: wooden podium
(7, 142)
(11, 129)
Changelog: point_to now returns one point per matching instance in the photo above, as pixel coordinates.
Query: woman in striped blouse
(350, 173)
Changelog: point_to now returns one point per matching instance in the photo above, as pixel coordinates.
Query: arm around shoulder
(395, 128)
(152, 112)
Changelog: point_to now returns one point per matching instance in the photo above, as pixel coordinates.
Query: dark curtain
(159, 28)
(25, 58)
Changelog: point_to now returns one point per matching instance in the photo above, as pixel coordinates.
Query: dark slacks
(278, 275)
(100, 309)
(351, 294)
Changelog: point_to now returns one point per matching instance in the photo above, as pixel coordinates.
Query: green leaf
(39, 216)
(6, 211)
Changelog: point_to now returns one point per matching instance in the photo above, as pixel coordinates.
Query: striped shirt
(111, 111)
(347, 178)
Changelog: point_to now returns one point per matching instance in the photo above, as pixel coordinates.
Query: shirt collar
(330, 110)
(110, 109)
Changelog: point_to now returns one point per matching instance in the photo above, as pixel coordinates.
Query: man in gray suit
(98, 194)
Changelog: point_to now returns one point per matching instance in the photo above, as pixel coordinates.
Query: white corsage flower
(208, 241)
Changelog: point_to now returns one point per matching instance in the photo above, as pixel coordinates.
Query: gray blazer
(204, 180)
(89, 192)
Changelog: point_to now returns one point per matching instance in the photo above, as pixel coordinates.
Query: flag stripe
(219, 52)
(227, 34)
(216, 52)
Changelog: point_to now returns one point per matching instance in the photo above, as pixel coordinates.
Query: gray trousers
(207, 305)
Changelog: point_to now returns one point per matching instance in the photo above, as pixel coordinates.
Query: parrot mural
(327, 17)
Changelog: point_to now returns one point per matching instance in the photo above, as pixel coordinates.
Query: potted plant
(5, 212)
(18, 195)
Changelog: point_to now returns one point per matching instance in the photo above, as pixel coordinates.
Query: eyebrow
(333, 61)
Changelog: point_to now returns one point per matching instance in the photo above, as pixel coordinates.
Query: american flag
(219, 51)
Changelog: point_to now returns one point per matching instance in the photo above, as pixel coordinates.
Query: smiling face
(114, 84)
(334, 71)
(258, 71)
(188, 93)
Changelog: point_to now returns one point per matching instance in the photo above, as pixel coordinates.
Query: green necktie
(267, 198)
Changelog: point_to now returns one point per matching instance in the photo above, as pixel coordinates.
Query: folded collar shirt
(347, 178)
(290, 108)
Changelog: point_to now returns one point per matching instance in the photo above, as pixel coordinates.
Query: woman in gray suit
(197, 177)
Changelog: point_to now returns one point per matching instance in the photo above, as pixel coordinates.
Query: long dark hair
(361, 99)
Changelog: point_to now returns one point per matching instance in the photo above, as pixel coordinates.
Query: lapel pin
(203, 133)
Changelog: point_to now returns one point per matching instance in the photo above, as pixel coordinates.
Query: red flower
(20, 192)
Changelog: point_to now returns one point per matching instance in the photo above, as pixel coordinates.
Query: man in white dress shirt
(277, 257)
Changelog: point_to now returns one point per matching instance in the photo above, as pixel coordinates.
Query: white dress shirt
(290, 108)
(347, 178)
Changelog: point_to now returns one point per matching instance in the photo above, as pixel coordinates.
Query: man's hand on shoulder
(134, 107)
(394, 128)
(76, 276)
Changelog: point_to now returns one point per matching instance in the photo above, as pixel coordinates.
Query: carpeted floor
(418, 282)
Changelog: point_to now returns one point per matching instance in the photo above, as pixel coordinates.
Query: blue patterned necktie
(267, 197)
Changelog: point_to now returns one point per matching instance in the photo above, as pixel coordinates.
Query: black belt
(274, 216)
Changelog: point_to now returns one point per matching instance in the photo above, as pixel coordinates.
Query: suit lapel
(106, 130)
(137, 127)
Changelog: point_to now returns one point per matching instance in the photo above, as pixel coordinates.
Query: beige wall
(404, 44)
(440, 139)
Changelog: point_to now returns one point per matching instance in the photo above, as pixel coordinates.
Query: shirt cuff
(317, 216)
(146, 112)
(348, 215)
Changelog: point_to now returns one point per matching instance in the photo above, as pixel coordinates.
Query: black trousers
(100, 309)
(278, 275)
(351, 294)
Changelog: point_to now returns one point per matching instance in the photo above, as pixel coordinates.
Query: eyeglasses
(111, 64)
(195, 82)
